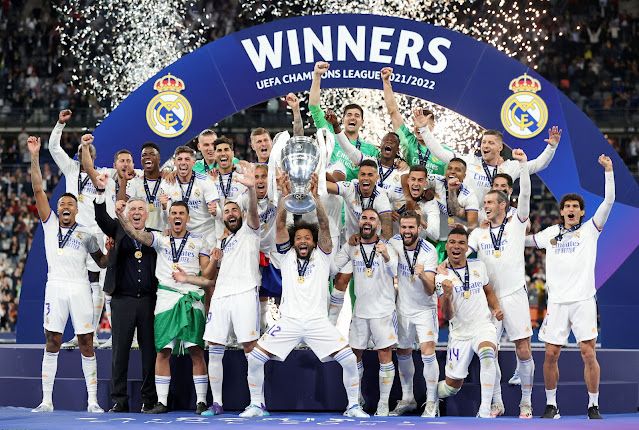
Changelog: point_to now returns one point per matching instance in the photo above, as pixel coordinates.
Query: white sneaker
(43, 407)
(254, 411)
(70, 344)
(403, 406)
(525, 411)
(96, 341)
(515, 379)
(356, 411)
(484, 414)
(107, 344)
(94, 408)
(497, 409)
(431, 410)
(382, 410)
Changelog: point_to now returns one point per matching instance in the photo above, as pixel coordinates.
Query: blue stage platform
(304, 384)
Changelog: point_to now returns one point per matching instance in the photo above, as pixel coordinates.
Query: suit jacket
(112, 228)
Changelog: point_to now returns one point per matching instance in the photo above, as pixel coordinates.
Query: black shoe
(552, 412)
(593, 413)
(146, 407)
(119, 407)
(200, 407)
(158, 408)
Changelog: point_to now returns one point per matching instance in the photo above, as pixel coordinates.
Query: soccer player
(413, 147)
(353, 119)
(197, 191)
(571, 251)
(416, 311)
(373, 266)
(504, 183)
(305, 263)
(501, 248)
(467, 299)
(67, 245)
(414, 194)
(206, 147)
(179, 310)
(235, 298)
(148, 186)
(262, 143)
(482, 169)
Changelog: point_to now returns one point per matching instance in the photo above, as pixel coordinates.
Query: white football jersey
(267, 212)
(466, 198)
(478, 181)
(189, 258)
(155, 219)
(239, 270)
(353, 204)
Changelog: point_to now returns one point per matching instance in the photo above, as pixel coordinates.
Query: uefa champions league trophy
(299, 159)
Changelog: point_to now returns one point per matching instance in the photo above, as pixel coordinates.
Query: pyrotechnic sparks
(117, 45)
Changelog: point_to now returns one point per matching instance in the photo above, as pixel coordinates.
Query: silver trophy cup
(299, 159)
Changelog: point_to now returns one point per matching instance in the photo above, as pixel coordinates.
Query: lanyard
(491, 177)
(563, 231)
(301, 268)
(226, 191)
(82, 183)
(63, 240)
(151, 197)
(497, 240)
(383, 176)
(411, 267)
(371, 199)
(423, 157)
(174, 254)
(368, 260)
(466, 280)
(448, 211)
(226, 240)
(187, 196)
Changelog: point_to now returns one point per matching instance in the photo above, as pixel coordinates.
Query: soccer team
(201, 245)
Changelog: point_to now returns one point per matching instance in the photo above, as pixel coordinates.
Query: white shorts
(561, 318)
(516, 320)
(239, 311)
(171, 345)
(460, 352)
(383, 332)
(60, 301)
(424, 325)
(319, 334)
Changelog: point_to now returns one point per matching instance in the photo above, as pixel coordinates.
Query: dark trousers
(127, 314)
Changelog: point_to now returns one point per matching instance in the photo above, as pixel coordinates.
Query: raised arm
(432, 220)
(108, 225)
(64, 162)
(389, 98)
(294, 103)
(42, 203)
(523, 202)
(87, 162)
(353, 154)
(248, 180)
(424, 123)
(324, 241)
(144, 237)
(281, 232)
(601, 215)
(314, 96)
(544, 159)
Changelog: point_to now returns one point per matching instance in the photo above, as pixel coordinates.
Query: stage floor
(22, 418)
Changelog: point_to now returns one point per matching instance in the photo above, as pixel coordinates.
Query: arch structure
(432, 63)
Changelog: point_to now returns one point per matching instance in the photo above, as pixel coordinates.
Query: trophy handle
(299, 204)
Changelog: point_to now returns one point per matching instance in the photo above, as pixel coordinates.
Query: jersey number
(275, 329)
(453, 352)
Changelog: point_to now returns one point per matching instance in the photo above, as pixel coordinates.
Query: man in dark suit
(130, 280)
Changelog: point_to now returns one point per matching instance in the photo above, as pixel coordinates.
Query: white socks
(201, 383)
(593, 399)
(49, 369)
(386, 377)
(497, 388)
(255, 378)
(97, 297)
(406, 369)
(90, 370)
(216, 372)
(551, 397)
(107, 307)
(487, 378)
(431, 376)
(526, 373)
(350, 375)
(444, 390)
(335, 307)
(162, 384)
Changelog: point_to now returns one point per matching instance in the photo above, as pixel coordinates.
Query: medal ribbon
(63, 241)
(226, 240)
(448, 211)
(415, 254)
(497, 240)
(174, 254)
(368, 261)
(371, 199)
(466, 280)
(383, 176)
(226, 191)
(151, 197)
(301, 268)
(491, 177)
(563, 231)
(423, 157)
(187, 196)
(82, 183)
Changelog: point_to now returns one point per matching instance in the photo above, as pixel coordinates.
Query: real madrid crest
(524, 114)
(169, 112)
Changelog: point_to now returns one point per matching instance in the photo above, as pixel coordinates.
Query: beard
(409, 241)
(234, 228)
(368, 235)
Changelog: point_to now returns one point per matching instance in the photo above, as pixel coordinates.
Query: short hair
(120, 152)
(223, 140)
(354, 106)
(575, 197)
(180, 203)
(418, 168)
(392, 133)
(137, 199)
(427, 112)
(459, 229)
(69, 195)
(458, 160)
(183, 148)
(370, 210)
(507, 177)
(152, 145)
(411, 215)
(501, 196)
(492, 132)
(303, 225)
(368, 162)
(207, 132)
(261, 166)
(259, 131)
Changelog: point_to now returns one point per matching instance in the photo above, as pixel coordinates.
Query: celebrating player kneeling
(305, 267)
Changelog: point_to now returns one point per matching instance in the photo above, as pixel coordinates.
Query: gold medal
(138, 254)
(497, 253)
(553, 242)
(300, 279)
(175, 266)
(369, 272)
(467, 294)
(60, 251)
(151, 207)
(80, 198)
(412, 278)
(451, 220)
